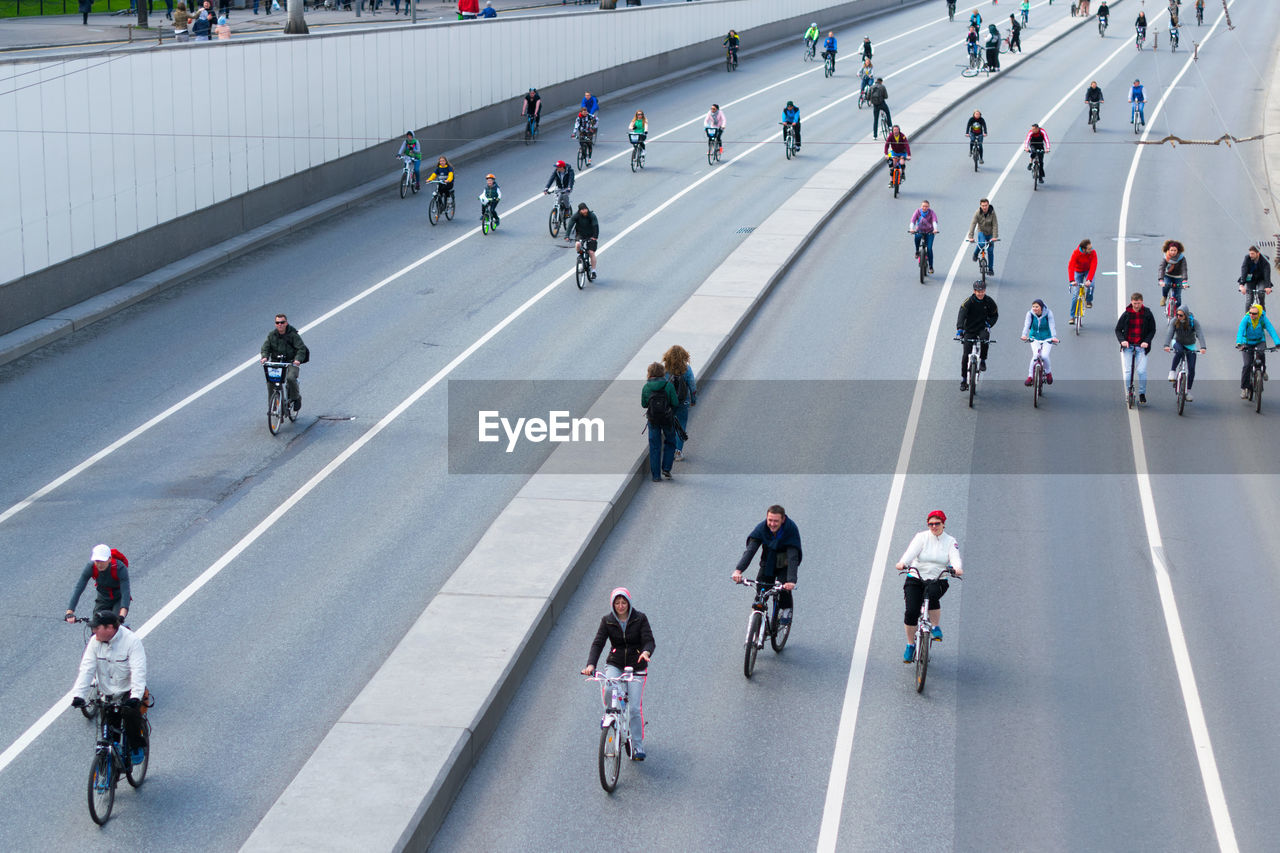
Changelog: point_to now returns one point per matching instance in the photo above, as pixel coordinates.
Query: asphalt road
(1054, 717)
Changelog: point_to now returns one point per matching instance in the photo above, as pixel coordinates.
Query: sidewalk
(52, 31)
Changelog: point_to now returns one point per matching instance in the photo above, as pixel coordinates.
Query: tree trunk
(296, 25)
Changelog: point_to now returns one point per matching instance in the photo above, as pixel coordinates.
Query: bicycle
(440, 203)
(828, 64)
(1004, 44)
(1102, 27)
(1037, 168)
(279, 406)
(637, 150)
(1174, 299)
(862, 98)
(885, 125)
(1037, 379)
(1141, 37)
(897, 173)
(582, 269)
(730, 60)
(974, 367)
(975, 149)
(924, 628)
(1078, 306)
(407, 181)
(560, 213)
(789, 138)
(1256, 295)
(765, 621)
(530, 129)
(615, 726)
(951, 11)
(488, 218)
(585, 147)
(111, 756)
(1026, 16)
(975, 65)
(1257, 372)
(982, 257)
(922, 251)
(713, 145)
(1181, 379)
(1199, 16)
(1137, 116)
(1095, 114)
(1173, 39)
(810, 49)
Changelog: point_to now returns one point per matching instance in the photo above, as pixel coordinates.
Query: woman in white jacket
(930, 552)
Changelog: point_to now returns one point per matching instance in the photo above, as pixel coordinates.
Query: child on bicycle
(410, 148)
(630, 641)
(443, 173)
(1039, 330)
(490, 196)
(1173, 271)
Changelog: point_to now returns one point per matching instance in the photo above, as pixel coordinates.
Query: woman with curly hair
(676, 362)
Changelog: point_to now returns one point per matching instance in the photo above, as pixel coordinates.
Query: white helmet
(814, 25)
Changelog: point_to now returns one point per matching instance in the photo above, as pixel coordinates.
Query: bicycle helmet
(814, 25)
(560, 164)
(491, 176)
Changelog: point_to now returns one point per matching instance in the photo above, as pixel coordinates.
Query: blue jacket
(1135, 94)
(830, 44)
(792, 115)
(1248, 333)
(591, 104)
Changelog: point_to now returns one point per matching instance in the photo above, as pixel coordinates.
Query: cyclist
(1040, 331)
(491, 195)
(778, 540)
(971, 42)
(586, 225)
(1093, 97)
(1140, 25)
(878, 95)
(1173, 27)
(977, 315)
(829, 48)
(1136, 328)
(590, 103)
(1015, 35)
(531, 105)
(410, 147)
(630, 640)
(640, 125)
(110, 573)
(731, 42)
(1184, 338)
(866, 75)
(951, 8)
(443, 172)
(924, 227)
(115, 657)
(1025, 10)
(987, 227)
(1199, 12)
(1139, 100)
(811, 36)
(1104, 13)
(791, 116)
(976, 127)
(993, 47)
(1081, 268)
(896, 147)
(562, 177)
(866, 47)
(1173, 271)
(975, 19)
(715, 118)
(585, 127)
(1252, 336)
(1083, 8)
(1256, 269)
(1037, 145)
(283, 343)
(1173, 14)
(930, 552)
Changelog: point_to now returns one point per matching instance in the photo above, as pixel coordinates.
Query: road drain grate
(746, 229)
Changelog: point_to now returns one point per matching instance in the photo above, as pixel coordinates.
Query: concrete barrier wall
(104, 185)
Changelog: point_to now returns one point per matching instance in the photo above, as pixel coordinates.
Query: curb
(422, 691)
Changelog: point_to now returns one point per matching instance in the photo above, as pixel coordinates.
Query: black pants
(833, 56)
(1247, 352)
(1015, 41)
(131, 718)
(1037, 152)
(876, 109)
(993, 58)
(914, 591)
(795, 127)
(964, 357)
(785, 598)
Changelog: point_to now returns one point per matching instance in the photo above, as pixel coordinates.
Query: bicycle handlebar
(628, 674)
(959, 339)
(912, 570)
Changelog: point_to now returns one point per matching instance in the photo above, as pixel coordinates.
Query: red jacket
(1080, 262)
(469, 7)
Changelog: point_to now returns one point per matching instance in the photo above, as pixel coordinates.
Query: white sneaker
(1173, 377)
(1189, 397)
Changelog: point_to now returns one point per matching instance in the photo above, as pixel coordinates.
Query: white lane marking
(1209, 775)
(186, 401)
(28, 736)
(843, 752)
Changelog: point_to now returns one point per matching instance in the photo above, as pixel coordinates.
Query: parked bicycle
(924, 628)
(615, 726)
(788, 138)
(113, 755)
(637, 150)
(765, 621)
(973, 368)
(407, 182)
(975, 65)
(440, 204)
(560, 214)
(1257, 372)
(279, 406)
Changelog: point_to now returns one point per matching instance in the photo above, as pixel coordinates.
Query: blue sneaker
(937, 634)
(139, 756)
(909, 655)
(637, 753)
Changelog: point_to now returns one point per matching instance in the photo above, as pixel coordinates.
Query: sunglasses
(935, 523)
(282, 322)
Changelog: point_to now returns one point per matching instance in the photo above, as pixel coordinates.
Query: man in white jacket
(116, 658)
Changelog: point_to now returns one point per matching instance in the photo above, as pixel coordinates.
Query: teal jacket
(656, 385)
(1248, 333)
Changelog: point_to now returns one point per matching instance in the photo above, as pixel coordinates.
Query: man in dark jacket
(778, 539)
(977, 315)
(630, 645)
(110, 574)
(1135, 330)
(283, 343)
(878, 96)
(1255, 272)
(587, 227)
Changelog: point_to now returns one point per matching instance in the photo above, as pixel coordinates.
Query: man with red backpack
(110, 572)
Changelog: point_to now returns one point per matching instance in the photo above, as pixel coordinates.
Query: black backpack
(682, 388)
(659, 411)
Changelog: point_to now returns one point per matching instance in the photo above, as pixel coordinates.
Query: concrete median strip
(386, 773)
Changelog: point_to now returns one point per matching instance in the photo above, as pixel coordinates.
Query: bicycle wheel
(862, 99)
(581, 270)
(973, 152)
(885, 126)
(922, 660)
(404, 184)
(137, 773)
(433, 208)
(895, 178)
(755, 626)
(484, 221)
(1035, 175)
(610, 755)
(1102, 29)
(1037, 377)
(973, 378)
(1257, 390)
(450, 207)
(275, 409)
(923, 260)
(635, 157)
(553, 221)
(102, 788)
(789, 146)
(1004, 45)
(528, 134)
(1181, 388)
(828, 68)
(1079, 313)
(778, 632)
(971, 71)
(711, 152)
